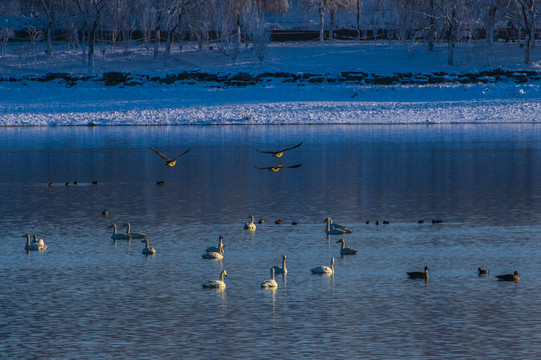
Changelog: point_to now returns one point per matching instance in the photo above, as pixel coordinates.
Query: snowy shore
(322, 100)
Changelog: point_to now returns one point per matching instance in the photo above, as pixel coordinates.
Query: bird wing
(267, 152)
(263, 168)
(160, 153)
(294, 166)
(182, 154)
(291, 148)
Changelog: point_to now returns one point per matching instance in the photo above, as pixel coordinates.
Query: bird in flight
(279, 153)
(277, 167)
(169, 162)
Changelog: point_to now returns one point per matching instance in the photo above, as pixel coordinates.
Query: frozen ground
(30, 102)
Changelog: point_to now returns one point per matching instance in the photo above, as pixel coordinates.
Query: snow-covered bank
(275, 101)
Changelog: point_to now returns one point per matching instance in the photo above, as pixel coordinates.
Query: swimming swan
(270, 283)
(217, 249)
(336, 229)
(36, 245)
(346, 250)
(419, 274)
(148, 250)
(324, 269)
(134, 235)
(509, 277)
(119, 236)
(217, 255)
(250, 225)
(281, 270)
(216, 284)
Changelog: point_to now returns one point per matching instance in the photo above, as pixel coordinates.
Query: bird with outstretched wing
(169, 162)
(279, 153)
(277, 167)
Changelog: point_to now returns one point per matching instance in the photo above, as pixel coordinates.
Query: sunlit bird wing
(182, 154)
(160, 153)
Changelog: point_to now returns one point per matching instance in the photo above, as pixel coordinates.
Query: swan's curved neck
(146, 242)
(129, 228)
(114, 229)
(272, 273)
(28, 239)
(284, 263)
(222, 274)
(332, 264)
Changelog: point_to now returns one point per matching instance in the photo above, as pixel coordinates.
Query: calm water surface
(86, 297)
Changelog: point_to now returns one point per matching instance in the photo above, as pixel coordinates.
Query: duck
(272, 284)
(119, 236)
(148, 250)
(134, 235)
(419, 274)
(279, 153)
(282, 269)
(168, 162)
(346, 250)
(334, 230)
(482, 271)
(36, 245)
(278, 222)
(261, 221)
(326, 270)
(214, 255)
(216, 284)
(217, 249)
(509, 277)
(250, 225)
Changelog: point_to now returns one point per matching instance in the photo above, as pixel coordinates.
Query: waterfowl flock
(217, 252)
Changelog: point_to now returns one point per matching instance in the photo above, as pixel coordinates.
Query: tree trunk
(239, 32)
(358, 19)
(450, 49)
(527, 48)
(49, 38)
(322, 23)
(91, 46)
(431, 28)
(331, 24)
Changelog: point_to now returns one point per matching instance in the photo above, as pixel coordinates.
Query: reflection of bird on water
(168, 161)
(277, 167)
(419, 274)
(279, 153)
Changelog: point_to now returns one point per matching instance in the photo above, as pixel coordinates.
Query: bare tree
(35, 36)
(528, 15)
(6, 33)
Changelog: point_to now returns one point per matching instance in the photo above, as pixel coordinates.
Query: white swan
(119, 236)
(36, 245)
(250, 225)
(346, 250)
(270, 283)
(219, 248)
(281, 270)
(216, 284)
(324, 269)
(148, 250)
(217, 255)
(336, 229)
(134, 235)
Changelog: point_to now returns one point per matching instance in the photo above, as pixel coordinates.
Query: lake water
(86, 297)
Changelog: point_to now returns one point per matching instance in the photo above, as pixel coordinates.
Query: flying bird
(169, 162)
(277, 167)
(279, 153)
